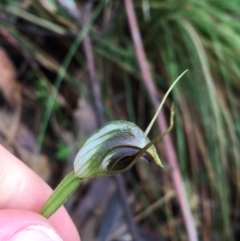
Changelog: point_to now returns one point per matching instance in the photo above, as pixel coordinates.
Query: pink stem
(170, 151)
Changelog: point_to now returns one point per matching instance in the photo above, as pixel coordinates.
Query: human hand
(22, 194)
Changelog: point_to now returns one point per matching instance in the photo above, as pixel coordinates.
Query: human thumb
(24, 225)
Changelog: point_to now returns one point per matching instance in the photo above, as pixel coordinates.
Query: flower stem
(61, 194)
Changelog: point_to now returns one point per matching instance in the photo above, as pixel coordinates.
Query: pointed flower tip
(158, 162)
(112, 149)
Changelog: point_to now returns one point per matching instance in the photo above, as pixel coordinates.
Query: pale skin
(22, 194)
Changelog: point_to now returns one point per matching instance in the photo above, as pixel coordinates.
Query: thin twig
(94, 80)
(128, 212)
(170, 151)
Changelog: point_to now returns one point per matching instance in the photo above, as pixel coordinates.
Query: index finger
(21, 188)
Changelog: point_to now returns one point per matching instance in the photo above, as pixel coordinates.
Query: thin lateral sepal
(159, 137)
(156, 139)
(162, 102)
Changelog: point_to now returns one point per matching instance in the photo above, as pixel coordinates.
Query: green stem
(60, 195)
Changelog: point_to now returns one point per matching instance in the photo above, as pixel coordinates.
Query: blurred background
(67, 67)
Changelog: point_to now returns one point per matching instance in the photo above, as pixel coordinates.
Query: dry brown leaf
(23, 145)
(84, 118)
(9, 86)
(11, 91)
